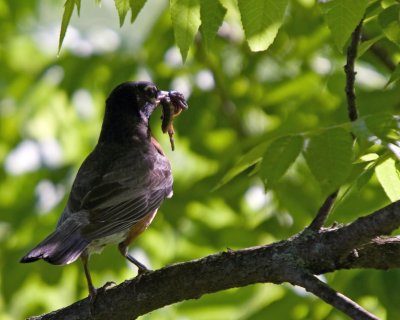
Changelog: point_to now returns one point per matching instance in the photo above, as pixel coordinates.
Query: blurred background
(51, 108)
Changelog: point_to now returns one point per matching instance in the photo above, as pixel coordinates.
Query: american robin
(119, 187)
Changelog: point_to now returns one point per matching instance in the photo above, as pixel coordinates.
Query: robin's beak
(161, 95)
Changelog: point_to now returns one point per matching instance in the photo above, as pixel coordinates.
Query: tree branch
(334, 298)
(323, 212)
(326, 207)
(350, 73)
(350, 246)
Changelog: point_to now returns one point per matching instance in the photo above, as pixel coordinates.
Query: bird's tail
(63, 246)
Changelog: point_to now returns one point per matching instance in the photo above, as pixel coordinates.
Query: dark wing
(122, 194)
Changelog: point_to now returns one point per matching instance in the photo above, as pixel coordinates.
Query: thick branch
(314, 252)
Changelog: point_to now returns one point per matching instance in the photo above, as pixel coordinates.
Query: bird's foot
(108, 285)
(93, 294)
(92, 300)
(143, 270)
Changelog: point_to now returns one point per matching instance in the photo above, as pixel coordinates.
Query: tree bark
(361, 244)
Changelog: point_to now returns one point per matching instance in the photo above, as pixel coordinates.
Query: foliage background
(51, 109)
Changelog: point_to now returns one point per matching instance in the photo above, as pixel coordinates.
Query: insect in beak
(172, 104)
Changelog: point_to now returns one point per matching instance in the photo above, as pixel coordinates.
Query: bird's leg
(123, 248)
(92, 289)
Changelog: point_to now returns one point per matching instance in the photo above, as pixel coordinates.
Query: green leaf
(136, 6)
(247, 160)
(78, 6)
(361, 180)
(368, 158)
(365, 45)
(376, 128)
(364, 177)
(390, 23)
(388, 177)
(122, 8)
(261, 21)
(395, 75)
(212, 14)
(342, 17)
(68, 10)
(279, 156)
(329, 157)
(382, 125)
(185, 16)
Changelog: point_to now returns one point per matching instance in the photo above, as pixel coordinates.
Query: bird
(118, 188)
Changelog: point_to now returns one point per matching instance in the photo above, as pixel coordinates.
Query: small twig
(332, 297)
(351, 74)
(323, 212)
(325, 209)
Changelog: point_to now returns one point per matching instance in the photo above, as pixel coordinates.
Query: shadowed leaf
(68, 10)
(329, 156)
(136, 6)
(342, 17)
(279, 156)
(212, 14)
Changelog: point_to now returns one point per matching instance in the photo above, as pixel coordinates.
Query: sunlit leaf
(212, 14)
(185, 16)
(279, 156)
(388, 176)
(261, 21)
(122, 8)
(389, 21)
(342, 17)
(368, 158)
(68, 10)
(329, 157)
(136, 6)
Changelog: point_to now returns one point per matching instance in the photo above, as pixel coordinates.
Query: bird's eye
(150, 91)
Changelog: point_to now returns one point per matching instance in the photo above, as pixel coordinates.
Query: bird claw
(92, 300)
(142, 271)
(108, 285)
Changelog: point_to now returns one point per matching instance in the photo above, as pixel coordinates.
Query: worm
(172, 106)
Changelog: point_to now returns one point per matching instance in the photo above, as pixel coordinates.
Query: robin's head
(128, 109)
(138, 99)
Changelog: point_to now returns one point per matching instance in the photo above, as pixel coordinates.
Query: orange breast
(157, 146)
(139, 227)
